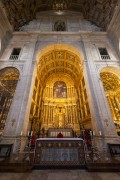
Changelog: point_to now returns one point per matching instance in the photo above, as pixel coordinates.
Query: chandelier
(59, 5)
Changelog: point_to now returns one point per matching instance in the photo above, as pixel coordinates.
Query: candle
(93, 133)
(31, 133)
(21, 133)
(100, 133)
(28, 133)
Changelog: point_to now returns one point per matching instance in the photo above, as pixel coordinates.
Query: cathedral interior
(60, 81)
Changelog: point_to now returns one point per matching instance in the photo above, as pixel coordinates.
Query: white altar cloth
(59, 139)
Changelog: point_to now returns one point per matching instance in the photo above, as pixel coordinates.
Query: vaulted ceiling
(20, 12)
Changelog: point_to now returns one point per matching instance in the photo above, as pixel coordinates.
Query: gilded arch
(110, 77)
(8, 81)
(60, 63)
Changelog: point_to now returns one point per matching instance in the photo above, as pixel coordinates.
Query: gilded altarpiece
(60, 108)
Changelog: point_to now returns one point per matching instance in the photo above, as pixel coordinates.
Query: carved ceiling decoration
(110, 81)
(8, 80)
(59, 61)
(20, 12)
(59, 5)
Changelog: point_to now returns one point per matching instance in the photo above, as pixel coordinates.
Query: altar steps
(103, 167)
(15, 167)
(37, 167)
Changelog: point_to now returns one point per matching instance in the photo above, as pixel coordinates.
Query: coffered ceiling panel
(20, 12)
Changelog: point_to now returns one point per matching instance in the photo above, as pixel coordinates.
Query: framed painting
(60, 90)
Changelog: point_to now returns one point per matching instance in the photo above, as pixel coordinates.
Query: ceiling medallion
(59, 5)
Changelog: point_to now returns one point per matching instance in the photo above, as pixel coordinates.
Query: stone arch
(51, 47)
(60, 62)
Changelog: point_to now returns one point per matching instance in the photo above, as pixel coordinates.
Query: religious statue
(59, 117)
(59, 26)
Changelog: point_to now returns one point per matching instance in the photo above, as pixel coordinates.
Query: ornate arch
(110, 77)
(8, 81)
(53, 47)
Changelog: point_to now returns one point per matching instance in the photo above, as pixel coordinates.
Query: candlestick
(93, 133)
(100, 133)
(31, 133)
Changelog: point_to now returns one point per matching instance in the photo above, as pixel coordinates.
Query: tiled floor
(60, 175)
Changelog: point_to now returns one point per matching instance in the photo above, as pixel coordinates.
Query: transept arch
(110, 77)
(8, 81)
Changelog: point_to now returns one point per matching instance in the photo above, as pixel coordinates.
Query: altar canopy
(59, 152)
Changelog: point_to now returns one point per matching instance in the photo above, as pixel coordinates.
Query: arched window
(8, 82)
(59, 26)
(59, 90)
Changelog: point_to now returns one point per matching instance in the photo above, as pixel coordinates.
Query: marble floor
(60, 175)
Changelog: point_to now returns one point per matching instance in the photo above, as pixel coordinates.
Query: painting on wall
(60, 90)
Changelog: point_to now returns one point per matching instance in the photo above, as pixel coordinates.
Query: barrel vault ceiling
(20, 12)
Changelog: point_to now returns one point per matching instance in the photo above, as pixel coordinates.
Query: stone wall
(114, 28)
(74, 22)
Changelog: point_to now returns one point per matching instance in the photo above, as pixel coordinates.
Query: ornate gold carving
(111, 84)
(8, 81)
(59, 61)
(110, 81)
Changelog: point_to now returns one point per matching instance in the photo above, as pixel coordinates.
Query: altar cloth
(61, 139)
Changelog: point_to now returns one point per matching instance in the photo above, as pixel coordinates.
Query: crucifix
(13, 121)
(60, 109)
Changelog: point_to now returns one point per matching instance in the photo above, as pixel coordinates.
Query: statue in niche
(59, 26)
(59, 117)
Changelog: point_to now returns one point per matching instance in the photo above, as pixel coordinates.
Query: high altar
(59, 152)
(60, 104)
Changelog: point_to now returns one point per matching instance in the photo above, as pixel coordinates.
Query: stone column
(20, 108)
(43, 113)
(101, 117)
